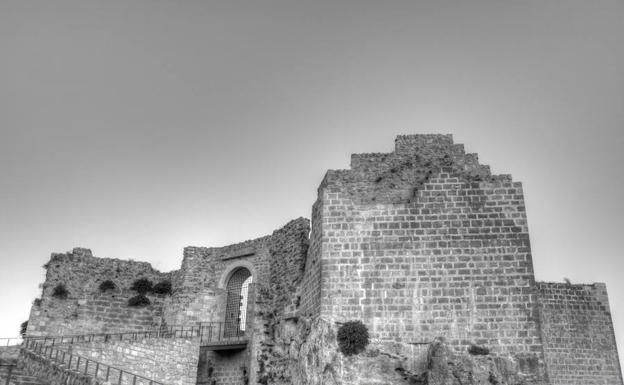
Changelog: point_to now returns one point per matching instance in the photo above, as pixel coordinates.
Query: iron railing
(11, 341)
(221, 333)
(163, 332)
(9, 372)
(208, 332)
(90, 367)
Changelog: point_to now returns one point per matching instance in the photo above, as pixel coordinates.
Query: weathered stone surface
(53, 374)
(306, 353)
(87, 310)
(172, 361)
(578, 335)
(448, 368)
(417, 243)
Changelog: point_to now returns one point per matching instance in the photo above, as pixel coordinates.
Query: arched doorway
(236, 303)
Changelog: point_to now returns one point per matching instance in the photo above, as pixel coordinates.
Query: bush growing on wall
(162, 287)
(138, 301)
(60, 291)
(23, 328)
(107, 285)
(352, 337)
(142, 286)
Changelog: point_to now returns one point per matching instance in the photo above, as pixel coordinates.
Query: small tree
(352, 337)
(107, 285)
(142, 286)
(60, 291)
(138, 301)
(162, 287)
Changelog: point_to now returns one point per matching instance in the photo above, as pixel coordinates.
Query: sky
(135, 128)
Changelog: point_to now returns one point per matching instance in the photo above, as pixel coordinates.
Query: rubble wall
(86, 309)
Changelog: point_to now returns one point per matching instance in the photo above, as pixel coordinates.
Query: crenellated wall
(578, 336)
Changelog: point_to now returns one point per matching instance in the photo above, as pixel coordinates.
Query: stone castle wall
(578, 336)
(311, 284)
(424, 242)
(276, 263)
(86, 309)
(419, 243)
(168, 360)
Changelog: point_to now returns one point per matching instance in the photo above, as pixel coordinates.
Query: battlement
(398, 176)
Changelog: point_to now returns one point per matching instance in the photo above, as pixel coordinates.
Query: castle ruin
(424, 246)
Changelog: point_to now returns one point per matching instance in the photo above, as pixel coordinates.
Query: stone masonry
(423, 245)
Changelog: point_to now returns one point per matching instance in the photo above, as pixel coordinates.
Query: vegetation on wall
(142, 286)
(107, 285)
(138, 301)
(60, 291)
(352, 337)
(162, 287)
(23, 328)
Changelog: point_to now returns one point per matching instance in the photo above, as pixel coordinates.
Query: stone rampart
(425, 242)
(88, 310)
(578, 336)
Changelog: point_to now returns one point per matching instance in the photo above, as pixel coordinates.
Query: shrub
(60, 291)
(37, 302)
(352, 337)
(107, 285)
(142, 286)
(162, 287)
(138, 301)
(23, 328)
(478, 350)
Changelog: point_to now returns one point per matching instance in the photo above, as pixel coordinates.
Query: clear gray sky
(135, 128)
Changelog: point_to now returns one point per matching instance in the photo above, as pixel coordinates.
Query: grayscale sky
(135, 128)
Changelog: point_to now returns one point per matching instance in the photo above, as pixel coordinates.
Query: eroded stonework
(423, 245)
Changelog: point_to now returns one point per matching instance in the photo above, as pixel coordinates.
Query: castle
(417, 244)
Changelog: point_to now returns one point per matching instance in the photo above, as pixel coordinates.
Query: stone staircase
(50, 360)
(19, 377)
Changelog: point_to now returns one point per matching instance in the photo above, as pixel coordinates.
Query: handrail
(9, 372)
(91, 336)
(169, 332)
(221, 332)
(73, 362)
(206, 331)
(6, 341)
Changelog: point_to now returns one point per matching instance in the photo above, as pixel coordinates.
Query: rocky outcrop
(306, 353)
(475, 368)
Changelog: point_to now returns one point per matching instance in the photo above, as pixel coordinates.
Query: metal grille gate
(236, 309)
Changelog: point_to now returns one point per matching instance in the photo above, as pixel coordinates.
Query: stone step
(19, 378)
